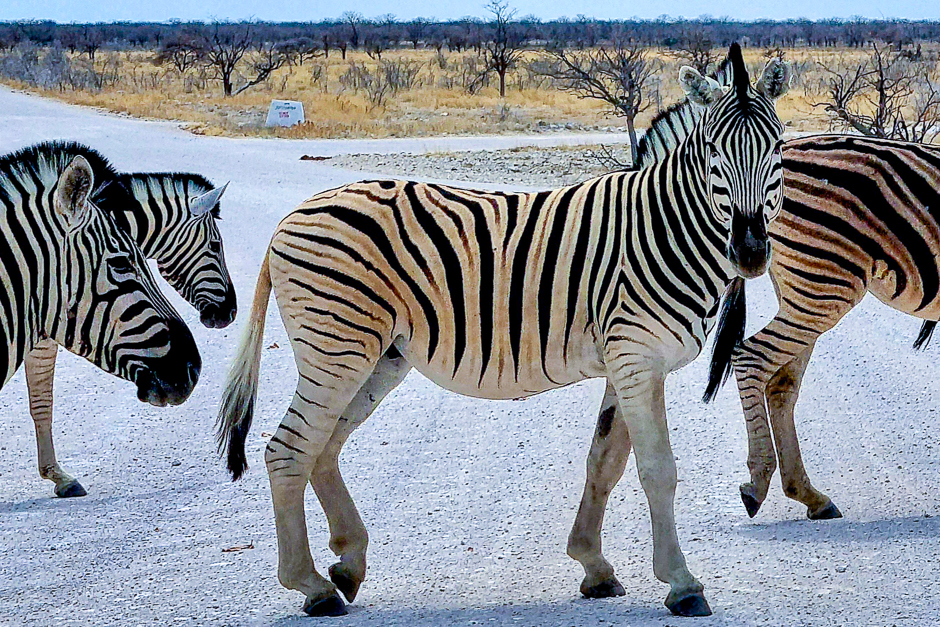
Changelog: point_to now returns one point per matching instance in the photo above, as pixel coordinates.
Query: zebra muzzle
(170, 379)
(749, 248)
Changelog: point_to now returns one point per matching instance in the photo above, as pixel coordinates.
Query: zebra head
(176, 223)
(740, 156)
(114, 314)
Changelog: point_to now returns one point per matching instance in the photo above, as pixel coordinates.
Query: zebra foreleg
(348, 537)
(606, 461)
(40, 374)
(642, 401)
(783, 390)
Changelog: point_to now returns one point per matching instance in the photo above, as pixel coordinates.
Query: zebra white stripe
(507, 295)
(70, 275)
(172, 218)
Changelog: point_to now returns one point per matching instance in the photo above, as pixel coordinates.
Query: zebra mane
(183, 184)
(50, 158)
(674, 123)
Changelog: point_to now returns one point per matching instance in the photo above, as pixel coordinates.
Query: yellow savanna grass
(437, 104)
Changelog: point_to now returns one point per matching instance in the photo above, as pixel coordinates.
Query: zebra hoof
(828, 512)
(344, 580)
(751, 504)
(69, 490)
(692, 604)
(329, 606)
(609, 588)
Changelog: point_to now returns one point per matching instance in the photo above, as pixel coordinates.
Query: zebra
(72, 276)
(506, 295)
(856, 218)
(172, 218)
(860, 215)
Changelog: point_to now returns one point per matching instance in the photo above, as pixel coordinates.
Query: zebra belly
(499, 379)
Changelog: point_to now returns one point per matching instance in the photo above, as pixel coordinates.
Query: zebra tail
(730, 333)
(926, 332)
(238, 400)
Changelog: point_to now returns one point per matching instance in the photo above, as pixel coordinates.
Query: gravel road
(468, 502)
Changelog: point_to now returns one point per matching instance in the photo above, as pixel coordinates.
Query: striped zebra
(506, 295)
(859, 215)
(172, 218)
(71, 276)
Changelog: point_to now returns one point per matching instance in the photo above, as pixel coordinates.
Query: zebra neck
(31, 291)
(697, 240)
(687, 166)
(156, 209)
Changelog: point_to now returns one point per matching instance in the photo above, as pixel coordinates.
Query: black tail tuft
(926, 332)
(236, 460)
(730, 333)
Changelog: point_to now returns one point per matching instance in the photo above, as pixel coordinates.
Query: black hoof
(827, 513)
(330, 606)
(603, 590)
(690, 605)
(751, 504)
(346, 584)
(70, 489)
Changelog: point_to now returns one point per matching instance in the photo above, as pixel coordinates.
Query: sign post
(285, 113)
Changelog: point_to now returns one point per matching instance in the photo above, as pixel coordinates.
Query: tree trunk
(227, 85)
(502, 83)
(633, 143)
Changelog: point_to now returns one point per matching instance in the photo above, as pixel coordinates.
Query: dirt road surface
(468, 502)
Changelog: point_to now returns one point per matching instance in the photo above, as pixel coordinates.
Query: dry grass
(437, 104)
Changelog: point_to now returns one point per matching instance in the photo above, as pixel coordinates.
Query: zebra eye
(120, 265)
(215, 246)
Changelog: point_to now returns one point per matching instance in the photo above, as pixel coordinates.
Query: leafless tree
(696, 48)
(182, 52)
(296, 51)
(90, 41)
(505, 43)
(263, 64)
(886, 95)
(621, 73)
(354, 20)
(224, 46)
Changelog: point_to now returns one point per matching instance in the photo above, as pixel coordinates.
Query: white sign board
(285, 113)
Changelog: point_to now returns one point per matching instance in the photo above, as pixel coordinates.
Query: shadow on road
(570, 613)
(842, 530)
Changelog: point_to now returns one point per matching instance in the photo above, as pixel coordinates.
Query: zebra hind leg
(324, 390)
(40, 373)
(348, 537)
(606, 461)
(783, 390)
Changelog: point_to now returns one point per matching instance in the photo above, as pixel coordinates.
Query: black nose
(749, 249)
(220, 315)
(170, 379)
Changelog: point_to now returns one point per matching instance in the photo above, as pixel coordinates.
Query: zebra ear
(701, 90)
(74, 188)
(775, 81)
(204, 203)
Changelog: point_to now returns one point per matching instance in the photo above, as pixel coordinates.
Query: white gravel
(468, 502)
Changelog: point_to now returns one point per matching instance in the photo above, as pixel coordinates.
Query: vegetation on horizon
(380, 77)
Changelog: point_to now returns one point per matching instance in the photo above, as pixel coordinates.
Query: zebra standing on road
(498, 295)
(172, 218)
(71, 276)
(860, 215)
